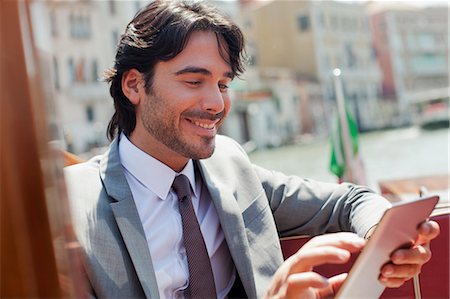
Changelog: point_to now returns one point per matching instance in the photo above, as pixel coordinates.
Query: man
(169, 85)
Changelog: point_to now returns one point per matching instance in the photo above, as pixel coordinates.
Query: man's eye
(193, 83)
(223, 87)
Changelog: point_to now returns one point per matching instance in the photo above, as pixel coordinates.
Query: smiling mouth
(203, 125)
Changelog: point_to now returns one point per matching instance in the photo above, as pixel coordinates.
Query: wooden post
(37, 255)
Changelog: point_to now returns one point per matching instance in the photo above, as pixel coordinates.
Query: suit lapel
(233, 227)
(127, 219)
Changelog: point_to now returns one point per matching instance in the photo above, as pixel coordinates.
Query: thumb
(334, 283)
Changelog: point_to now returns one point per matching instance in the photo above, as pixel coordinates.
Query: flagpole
(345, 130)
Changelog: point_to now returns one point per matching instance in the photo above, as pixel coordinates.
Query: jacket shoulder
(229, 147)
(84, 186)
(82, 173)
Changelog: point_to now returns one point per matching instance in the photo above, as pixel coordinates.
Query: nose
(213, 100)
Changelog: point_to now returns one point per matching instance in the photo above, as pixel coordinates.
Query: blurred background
(393, 58)
(384, 121)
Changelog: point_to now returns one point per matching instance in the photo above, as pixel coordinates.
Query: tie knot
(181, 186)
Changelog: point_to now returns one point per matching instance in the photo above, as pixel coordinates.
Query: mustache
(204, 115)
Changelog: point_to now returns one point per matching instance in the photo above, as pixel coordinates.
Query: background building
(311, 38)
(83, 37)
(287, 92)
(412, 49)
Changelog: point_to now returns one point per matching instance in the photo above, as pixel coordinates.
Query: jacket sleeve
(307, 207)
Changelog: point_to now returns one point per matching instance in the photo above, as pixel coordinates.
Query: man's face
(188, 102)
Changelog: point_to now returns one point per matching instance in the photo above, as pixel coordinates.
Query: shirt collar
(152, 173)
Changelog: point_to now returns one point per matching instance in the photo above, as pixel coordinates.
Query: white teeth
(205, 126)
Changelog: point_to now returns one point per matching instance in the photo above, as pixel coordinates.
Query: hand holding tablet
(397, 228)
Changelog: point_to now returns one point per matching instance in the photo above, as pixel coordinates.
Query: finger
(300, 284)
(305, 259)
(344, 240)
(400, 271)
(334, 284)
(415, 255)
(428, 231)
(392, 282)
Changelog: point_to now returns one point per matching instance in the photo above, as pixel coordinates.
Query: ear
(132, 85)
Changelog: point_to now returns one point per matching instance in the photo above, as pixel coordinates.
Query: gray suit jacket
(255, 207)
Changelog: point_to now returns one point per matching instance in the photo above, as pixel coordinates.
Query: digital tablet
(397, 228)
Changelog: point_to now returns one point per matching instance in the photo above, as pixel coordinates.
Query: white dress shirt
(150, 182)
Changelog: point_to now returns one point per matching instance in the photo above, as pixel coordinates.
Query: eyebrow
(200, 70)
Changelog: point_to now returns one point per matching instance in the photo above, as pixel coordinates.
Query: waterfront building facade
(83, 37)
(412, 49)
(311, 38)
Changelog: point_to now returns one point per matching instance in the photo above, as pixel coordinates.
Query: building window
(80, 71)
(56, 73)
(365, 24)
(71, 25)
(334, 22)
(90, 114)
(350, 55)
(303, 22)
(53, 25)
(373, 53)
(137, 5)
(425, 40)
(94, 71)
(80, 26)
(248, 23)
(326, 61)
(115, 37)
(112, 7)
(86, 26)
(71, 68)
(346, 24)
(253, 51)
(321, 20)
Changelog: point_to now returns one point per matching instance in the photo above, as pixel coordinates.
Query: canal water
(394, 154)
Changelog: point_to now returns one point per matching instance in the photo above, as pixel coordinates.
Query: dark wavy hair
(159, 32)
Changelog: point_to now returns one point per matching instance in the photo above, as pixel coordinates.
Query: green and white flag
(345, 160)
(338, 163)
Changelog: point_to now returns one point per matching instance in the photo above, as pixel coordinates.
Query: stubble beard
(162, 124)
